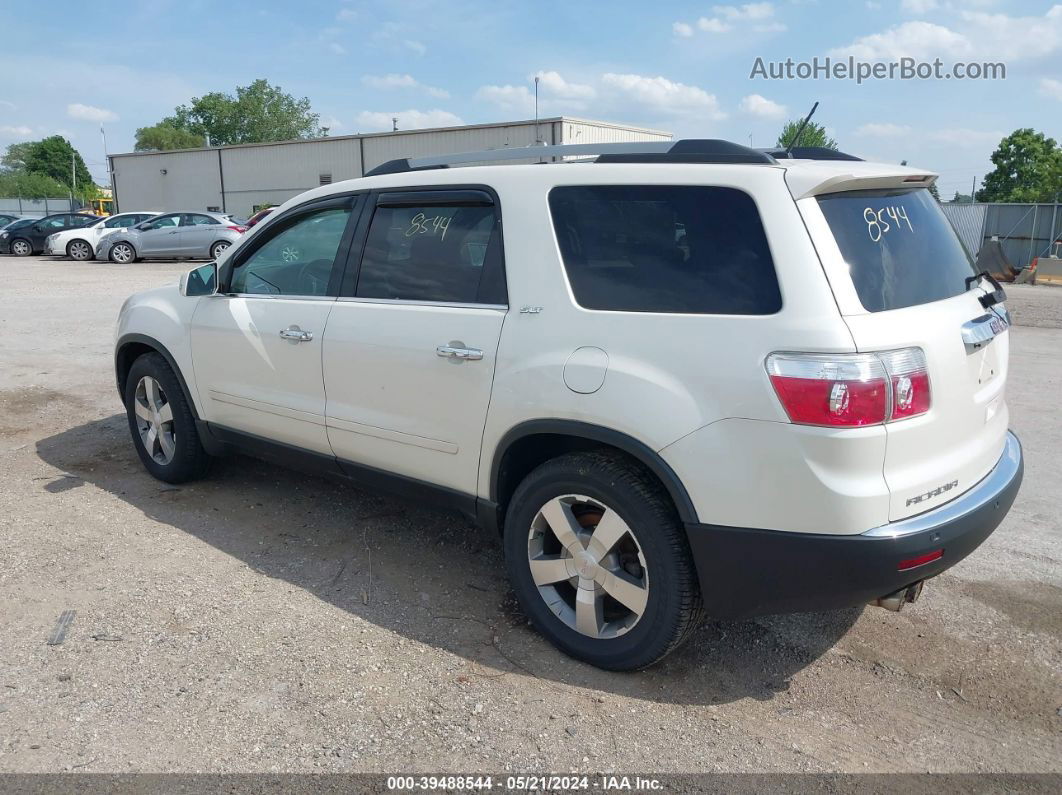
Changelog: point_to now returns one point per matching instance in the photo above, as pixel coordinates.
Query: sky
(683, 67)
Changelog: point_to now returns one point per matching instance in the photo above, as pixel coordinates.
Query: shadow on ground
(427, 575)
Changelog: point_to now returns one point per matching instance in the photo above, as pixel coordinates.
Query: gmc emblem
(933, 493)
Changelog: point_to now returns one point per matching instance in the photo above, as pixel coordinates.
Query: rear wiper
(997, 296)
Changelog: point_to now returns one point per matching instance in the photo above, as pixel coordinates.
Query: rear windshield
(899, 247)
(665, 248)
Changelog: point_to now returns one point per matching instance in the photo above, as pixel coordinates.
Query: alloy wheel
(122, 252)
(218, 248)
(588, 566)
(154, 420)
(80, 250)
(289, 254)
(21, 248)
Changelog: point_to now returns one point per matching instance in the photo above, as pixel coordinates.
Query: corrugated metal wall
(42, 207)
(968, 221)
(273, 173)
(1025, 231)
(167, 181)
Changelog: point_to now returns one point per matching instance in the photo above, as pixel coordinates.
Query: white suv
(679, 379)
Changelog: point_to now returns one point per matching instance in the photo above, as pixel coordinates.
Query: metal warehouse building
(237, 179)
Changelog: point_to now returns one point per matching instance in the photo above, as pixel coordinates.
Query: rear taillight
(850, 389)
(240, 229)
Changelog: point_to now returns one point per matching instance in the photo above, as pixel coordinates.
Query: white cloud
(914, 39)
(973, 35)
(508, 97)
(332, 123)
(882, 130)
(553, 83)
(17, 131)
(713, 25)
(918, 6)
(1050, 87)
(337, 48)
(408, 119)
(7, 105)
(661, 94)
(414, 46)
(90, 113)
(747, 11)
(391, 81)
(760, 106)
(758, 17)
(346, 15)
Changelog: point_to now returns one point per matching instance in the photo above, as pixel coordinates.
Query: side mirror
(201, 281)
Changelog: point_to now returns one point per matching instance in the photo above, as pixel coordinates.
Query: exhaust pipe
(897, 599)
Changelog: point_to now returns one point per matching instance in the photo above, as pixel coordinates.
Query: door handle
(456, 351)
(296, 334)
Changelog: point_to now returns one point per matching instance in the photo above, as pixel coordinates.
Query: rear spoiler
(806, 182)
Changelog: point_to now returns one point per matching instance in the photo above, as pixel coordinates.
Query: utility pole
(394, 124)
(538, 138)
(973, 189)
(73, 178)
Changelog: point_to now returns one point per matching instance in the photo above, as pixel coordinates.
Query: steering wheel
(315, 275)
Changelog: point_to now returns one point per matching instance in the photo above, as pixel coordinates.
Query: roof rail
(692, 150)
(808, 153)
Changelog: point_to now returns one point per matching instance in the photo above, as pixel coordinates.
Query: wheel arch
(533, 442)
(131, 347)
(130, 243)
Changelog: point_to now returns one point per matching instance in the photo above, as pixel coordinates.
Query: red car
(258, 216)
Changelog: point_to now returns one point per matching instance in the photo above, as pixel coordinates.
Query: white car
(80, 244)
(680, 379)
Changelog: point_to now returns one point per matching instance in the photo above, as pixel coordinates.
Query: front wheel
(162, 423)
(599, 561)
(122, 253)
(21, 248)
(79, 250)
(217, 248)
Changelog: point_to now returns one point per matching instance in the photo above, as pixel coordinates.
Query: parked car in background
(8, 218)
(259, 216)
(26, 237)
(80, 243)
(173, 235)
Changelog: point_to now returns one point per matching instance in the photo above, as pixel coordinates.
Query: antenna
(800, 130)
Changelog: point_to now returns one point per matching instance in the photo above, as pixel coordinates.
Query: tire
(79, 250)
(165, 439)
(217, 248)
(21, 247)
(645, 544)
(123, 253)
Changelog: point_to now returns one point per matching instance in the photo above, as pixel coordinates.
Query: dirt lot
(265, 620)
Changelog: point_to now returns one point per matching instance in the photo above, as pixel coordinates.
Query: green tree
(14, 158)
(57, 158)
(257, 113)
(1028, 168)
(813, 135)
(935, 193)
(961, 198)
(164, 136)
(31, 186)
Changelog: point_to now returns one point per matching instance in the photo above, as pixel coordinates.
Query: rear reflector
(921, 560)
(240, 229)
(850, 389)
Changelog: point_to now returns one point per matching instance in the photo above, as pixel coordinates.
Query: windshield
(900, 248)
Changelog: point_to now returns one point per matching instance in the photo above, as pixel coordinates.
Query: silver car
(198, 235)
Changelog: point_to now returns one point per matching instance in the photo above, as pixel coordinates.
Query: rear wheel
(599, 561)
(21, 248)
(122, 253)
(217, 248)
(161, 422)
(79, 250)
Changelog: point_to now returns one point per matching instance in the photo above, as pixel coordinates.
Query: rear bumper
(746, 572)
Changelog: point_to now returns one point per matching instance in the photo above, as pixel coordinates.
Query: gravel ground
(265, 620)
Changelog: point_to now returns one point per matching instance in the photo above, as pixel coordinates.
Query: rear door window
(899, 247)
(417, 250)
(665, 248)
